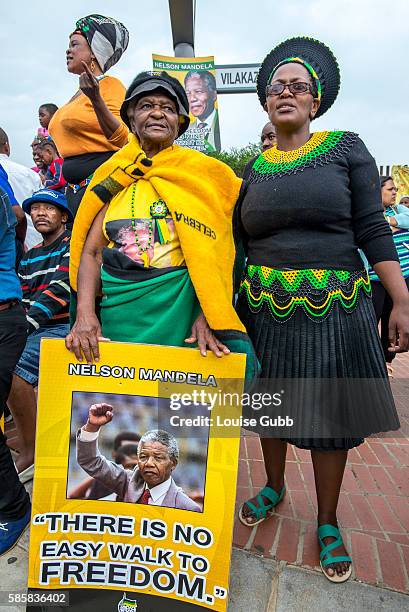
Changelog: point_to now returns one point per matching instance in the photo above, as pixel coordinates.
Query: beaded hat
(317, 58)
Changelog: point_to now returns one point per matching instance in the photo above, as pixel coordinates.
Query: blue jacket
(9, 284)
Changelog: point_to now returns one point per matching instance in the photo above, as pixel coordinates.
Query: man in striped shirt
(43, 274)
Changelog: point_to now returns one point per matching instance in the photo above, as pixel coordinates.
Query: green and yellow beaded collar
(314, 291)
(320, 149)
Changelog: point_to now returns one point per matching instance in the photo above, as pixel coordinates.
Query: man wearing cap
(43, 274)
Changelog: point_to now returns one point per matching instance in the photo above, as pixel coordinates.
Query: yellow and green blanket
(200, 193)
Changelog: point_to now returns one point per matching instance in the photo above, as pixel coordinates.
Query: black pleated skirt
(332, 371)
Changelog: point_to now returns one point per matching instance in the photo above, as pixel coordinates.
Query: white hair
(165, 438)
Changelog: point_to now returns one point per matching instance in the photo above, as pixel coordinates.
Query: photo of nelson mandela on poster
(151, 481)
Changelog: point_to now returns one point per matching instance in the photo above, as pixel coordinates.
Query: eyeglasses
(299, 87)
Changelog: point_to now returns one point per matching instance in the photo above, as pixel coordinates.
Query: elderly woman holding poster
(153, 234)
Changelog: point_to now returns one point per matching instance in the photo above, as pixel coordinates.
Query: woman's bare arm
(108, 122)
(89, 85)
(390, 275)
(84, 335)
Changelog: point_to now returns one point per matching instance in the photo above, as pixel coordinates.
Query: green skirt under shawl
(159, 310)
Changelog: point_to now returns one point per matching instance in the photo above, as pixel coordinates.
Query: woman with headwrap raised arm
(88, 129)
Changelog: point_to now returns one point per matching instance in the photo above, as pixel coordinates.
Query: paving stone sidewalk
(276, 570)
(258, 584)
(373, 507)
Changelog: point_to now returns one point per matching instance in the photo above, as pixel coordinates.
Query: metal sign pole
(182, 21)
(230, 78)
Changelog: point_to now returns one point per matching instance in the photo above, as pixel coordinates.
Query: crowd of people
(308, 218)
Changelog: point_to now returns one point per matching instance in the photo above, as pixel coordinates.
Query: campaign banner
(198, 77)
(400, 175)
(135, 479)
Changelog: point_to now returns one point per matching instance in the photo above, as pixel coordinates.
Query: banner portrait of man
(400, 175)
(198, 76)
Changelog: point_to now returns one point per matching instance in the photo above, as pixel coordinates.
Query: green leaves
(238, 158)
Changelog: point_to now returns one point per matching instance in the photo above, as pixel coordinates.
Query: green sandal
(330, 531)
(261, 511)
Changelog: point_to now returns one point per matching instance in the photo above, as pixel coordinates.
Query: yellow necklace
(276, 156)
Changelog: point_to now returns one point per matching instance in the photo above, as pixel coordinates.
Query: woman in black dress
(309, 203)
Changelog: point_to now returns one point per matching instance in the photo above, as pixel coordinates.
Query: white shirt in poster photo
(158, 493)
(205, 123)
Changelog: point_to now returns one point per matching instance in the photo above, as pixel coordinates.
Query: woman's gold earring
(92, 67)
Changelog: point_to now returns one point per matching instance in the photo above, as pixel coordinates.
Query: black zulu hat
(318, 60)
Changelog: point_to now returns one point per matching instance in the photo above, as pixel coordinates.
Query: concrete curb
(264, 585)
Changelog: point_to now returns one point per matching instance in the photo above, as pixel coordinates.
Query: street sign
(237, 78)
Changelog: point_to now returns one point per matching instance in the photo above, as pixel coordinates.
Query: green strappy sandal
(261, 511)
(329, 531)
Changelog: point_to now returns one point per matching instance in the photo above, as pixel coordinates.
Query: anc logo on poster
(127, 605)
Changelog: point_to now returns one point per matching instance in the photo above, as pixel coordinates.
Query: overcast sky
(368, 37)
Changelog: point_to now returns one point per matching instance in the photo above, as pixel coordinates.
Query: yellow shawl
(200, 193)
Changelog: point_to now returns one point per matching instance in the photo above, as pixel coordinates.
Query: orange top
(75, 127)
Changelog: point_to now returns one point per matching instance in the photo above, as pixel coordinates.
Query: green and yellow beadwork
(159, 210)
(320, 149)
(158, 213)
(315, 291)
